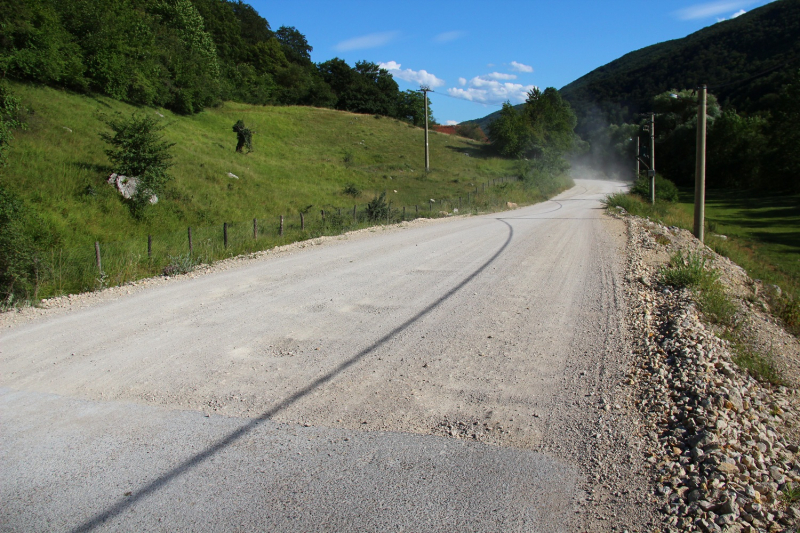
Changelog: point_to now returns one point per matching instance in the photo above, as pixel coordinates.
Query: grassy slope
(762, 231)
(765, 229)
(302, 157)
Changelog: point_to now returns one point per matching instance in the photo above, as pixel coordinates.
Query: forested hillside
(744, 61)
(185, 55)
(752, 67)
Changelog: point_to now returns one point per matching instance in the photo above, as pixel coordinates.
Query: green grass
(692, 271)
(763, 231)
(762, 235)
(305, 160)
(742, 247)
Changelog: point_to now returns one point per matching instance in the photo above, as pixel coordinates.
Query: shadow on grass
(478, 152)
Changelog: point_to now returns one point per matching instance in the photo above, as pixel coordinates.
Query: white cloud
(462, 81)
(520, 67)
(449, 36)
(451, 123)
(485, 90)
(711, 9)
(501, 76)
(373, 40)
(420, 77)
(738, 13)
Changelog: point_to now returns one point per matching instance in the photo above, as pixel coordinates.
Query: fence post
(430, 206)
(280, 231)
(97, 256)
(388, 212)
(340, 211)
(302, 222)
(459, 203)
(404, 213)
(225, 234)
(322, 212)
(416, 211)
(190, 241)
(255, 228)
(149, 246)
(354, 214)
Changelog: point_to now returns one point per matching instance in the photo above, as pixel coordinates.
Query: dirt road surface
(453, 376)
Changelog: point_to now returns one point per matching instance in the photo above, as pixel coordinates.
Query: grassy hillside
(302, 161)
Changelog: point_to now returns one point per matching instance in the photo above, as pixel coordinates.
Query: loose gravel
(723, 446)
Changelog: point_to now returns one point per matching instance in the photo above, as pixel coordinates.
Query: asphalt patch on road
(65, 461)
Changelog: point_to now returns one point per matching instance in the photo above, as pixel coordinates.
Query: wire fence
(103, 264)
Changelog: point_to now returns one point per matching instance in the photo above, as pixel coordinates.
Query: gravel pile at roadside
(722, 454)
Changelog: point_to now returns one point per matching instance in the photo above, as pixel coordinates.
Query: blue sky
(478, 54)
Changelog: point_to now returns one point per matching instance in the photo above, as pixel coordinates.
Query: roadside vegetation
(303, 161)
(744, 238)
(695, 271)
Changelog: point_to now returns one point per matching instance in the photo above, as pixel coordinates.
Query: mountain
(744, 61)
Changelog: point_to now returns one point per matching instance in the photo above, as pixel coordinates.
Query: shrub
(377, 208)
(351, 190)
(20, 237)
(10, 119)
(665, 189)
(138, 150)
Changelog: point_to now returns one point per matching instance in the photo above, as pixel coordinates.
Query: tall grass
(74, 269)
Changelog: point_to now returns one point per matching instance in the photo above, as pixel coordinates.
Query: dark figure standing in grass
(244, 136)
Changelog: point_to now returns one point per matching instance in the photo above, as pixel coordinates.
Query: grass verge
(757, 231)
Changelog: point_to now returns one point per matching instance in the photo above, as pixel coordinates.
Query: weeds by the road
(774, 263)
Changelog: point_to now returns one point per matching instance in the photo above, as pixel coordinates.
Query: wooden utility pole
(425, 90)
(652, 171)
(700, 165)
(638, 153)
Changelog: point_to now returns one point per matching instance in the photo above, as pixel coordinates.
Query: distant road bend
(438, 377)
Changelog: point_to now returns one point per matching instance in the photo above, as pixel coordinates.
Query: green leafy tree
(139, 150)
(676, 132)
(294, 44)
(509, 133)
(784, 159)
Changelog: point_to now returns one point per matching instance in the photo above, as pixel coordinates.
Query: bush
(351, 190)
(138, 150)
(665, 189)
(10, 119)
(377, 208)
(20, 236)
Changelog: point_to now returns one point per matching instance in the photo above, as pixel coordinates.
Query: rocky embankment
(724, 447)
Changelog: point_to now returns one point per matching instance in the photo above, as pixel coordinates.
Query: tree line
(186, 55)
(743, 150)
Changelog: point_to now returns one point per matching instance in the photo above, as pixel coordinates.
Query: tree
(784, 160)
(295, 45)
(138, 150)
(509, 133)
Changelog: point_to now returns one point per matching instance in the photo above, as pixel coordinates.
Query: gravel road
(458, 375)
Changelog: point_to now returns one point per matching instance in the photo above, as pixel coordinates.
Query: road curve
(434, 378)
